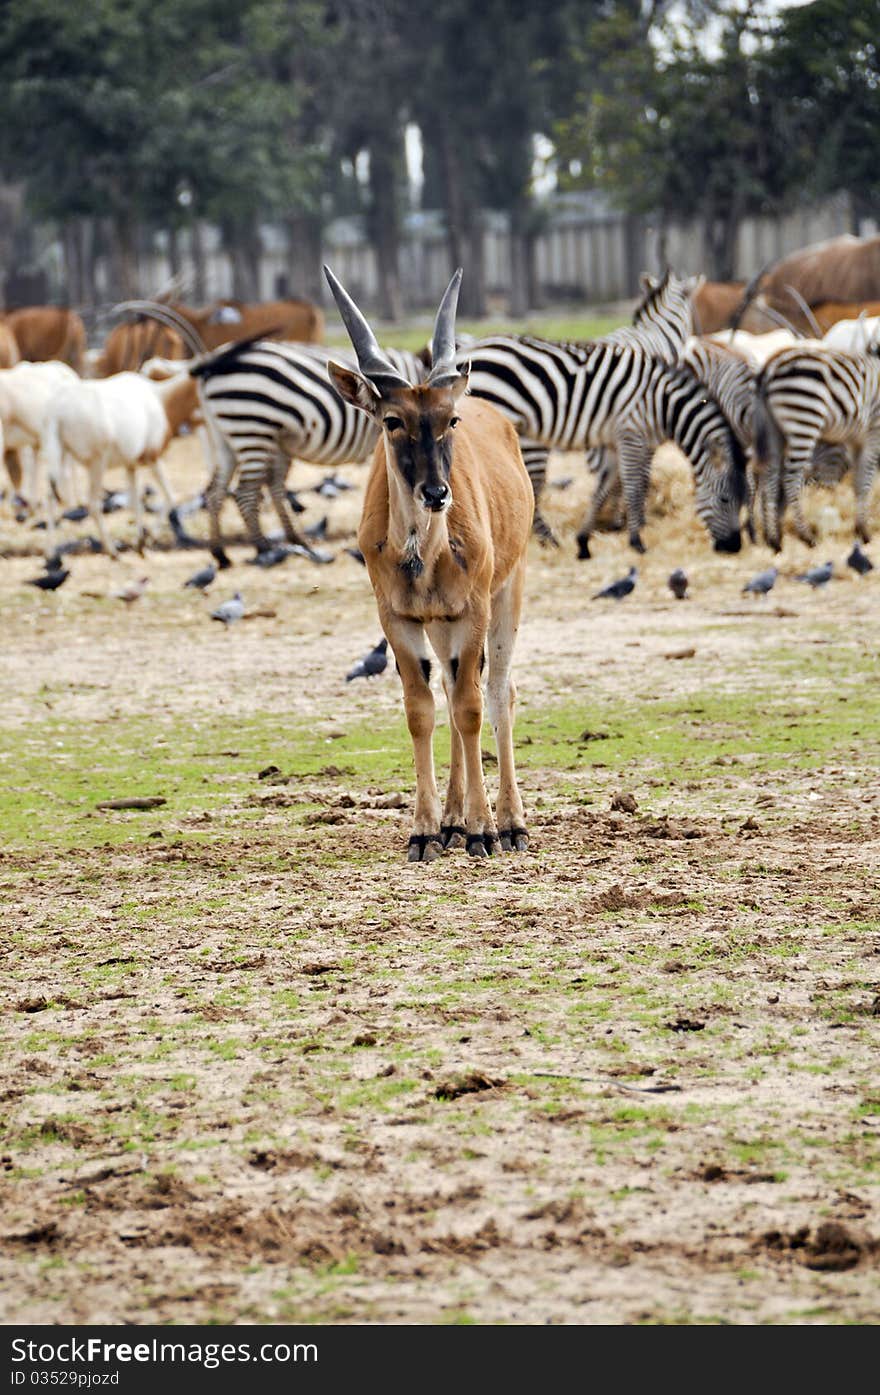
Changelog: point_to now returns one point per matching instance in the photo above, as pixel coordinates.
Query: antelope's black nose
(435, 495)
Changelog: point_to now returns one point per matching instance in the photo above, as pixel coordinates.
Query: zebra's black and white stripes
(804, 396)
(570, 396)
(268, 403)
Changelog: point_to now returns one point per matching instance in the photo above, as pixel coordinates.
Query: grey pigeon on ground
(76, 514)
(202, 578)
(764, 582)
(271, 556)
(294, 502)
(678, 583)
(132, 590)
(356, 553)
(331, 485)
(319, 529)
(51, 580)
(817, 576)
(53, 562)
(618, 589)
(371, 664)
(859, 561)
(230, 610)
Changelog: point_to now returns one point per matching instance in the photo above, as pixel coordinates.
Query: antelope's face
(418, 428)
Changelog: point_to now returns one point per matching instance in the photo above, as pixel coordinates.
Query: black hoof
(583, 552)
(513, 840)
(453, 835)
(636, 544)
(424, 847)
(220, 558)
(481, 844)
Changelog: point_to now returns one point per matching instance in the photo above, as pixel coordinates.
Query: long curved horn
(443, 338)
(371, 360)
(777, 318)
(167, 316)
(749, 294)
(805, 310)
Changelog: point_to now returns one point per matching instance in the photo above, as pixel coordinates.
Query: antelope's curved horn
(804, 309)
(443, 339)
(168, 317)
(371, 360)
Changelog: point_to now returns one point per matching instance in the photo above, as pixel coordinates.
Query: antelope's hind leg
(410, 646)
(501, 701)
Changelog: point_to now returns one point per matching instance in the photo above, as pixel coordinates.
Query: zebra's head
(700, 429)
(665, 307)
(416, 418)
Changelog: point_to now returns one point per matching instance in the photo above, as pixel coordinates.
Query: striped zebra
(661, 324)
(268, 403)
(570, 396)
(802, 396)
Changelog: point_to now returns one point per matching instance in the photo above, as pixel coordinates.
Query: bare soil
(256, 1068)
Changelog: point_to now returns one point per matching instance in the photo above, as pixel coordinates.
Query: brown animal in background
(128, 346)
(296, 321)
(444, 532)
(45, 332)
(9, 354)
(844, 268)
(715, 303)
(829, 312)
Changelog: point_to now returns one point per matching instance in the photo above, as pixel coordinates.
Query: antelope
(444, 532)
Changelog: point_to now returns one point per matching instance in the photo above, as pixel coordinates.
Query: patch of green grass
(564, 327)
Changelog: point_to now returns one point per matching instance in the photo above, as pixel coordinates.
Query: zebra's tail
(769, 442)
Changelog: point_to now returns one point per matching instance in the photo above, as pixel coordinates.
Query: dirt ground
(256, 1068)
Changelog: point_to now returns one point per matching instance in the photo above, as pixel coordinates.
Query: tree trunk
(463, 231)
(634, 252)
(174, 261)
(383, 224)
(74, 289)
(242, 244)
(305, 256)
(123, 257)
(521, 262)
(197, 249)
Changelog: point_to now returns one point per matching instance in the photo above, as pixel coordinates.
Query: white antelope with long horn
(444, 532)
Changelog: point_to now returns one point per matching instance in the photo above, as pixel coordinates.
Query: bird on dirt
(77, 514)
(294, 502)
(356, 553)
(114, 500)
(318, 530)
(618, 589)
(132, 591)
(859, 561)
(331, 485)
(817, 576)
(678, 583)
(271, 556)
(371, 664)
(230, 610)
(202, 578)
(51, 580)
(53, 563)
(763, 583)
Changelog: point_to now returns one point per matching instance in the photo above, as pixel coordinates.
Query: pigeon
(320, 555)
(678, 583)
(114, 500)
(318, 530)
(51, 580)
(230, 610)
(764, 582)
(818, 576)
(356, 553)
(859, 561)
(132, 591)
(200, 579)
(331, 486)
(271, 556)
(293, 501)
(53, 562)
(618, 589)
(371, 664)
(77, 514)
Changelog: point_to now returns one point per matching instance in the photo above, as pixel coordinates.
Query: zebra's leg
(221, 461)
(797, 463)
(278, 494)
(603, 463)
(251, 476)
(535, 458)
(863, 479)
(634, 456)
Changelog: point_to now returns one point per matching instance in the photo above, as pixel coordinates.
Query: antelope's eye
(453, 422)
(393, 423)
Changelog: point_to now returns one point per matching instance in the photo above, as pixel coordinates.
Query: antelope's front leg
(444, 642)
(410, 647)
(467, 714)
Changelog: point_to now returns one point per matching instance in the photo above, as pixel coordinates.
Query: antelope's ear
(354, 388)
(695, 283)
(459, 385)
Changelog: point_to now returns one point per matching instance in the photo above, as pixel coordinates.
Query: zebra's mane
(651, 297)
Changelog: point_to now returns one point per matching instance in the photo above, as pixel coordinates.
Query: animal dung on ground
(145, 801)
(624, 803)
(681, 653)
